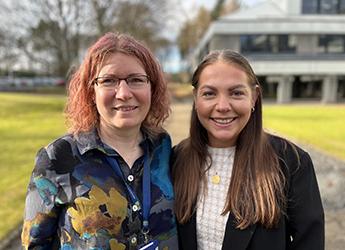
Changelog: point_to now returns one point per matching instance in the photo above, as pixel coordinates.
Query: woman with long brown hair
(106, 184)
(237, 186)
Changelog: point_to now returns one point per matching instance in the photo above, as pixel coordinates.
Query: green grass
(322, 126)
(28, 122)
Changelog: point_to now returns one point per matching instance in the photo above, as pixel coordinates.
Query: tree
(53, 33)
(193, 30)
(217, 10)
(141, 19)
(47, 32)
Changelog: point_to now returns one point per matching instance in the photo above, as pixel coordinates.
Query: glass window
(310, 6)
(268, 43)
(323, 6)
(254, 43)
(287, 43)
(331, 44)
(260, 43)
(342, 7)
(329, 7)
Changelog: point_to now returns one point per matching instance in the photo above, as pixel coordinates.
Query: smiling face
(223, 102)
(122, 108)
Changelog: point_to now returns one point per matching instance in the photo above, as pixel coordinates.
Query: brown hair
(256, 190)
(81, 112)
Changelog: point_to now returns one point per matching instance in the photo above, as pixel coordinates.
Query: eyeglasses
(111, 81)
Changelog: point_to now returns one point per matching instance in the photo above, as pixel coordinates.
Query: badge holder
(151, 245)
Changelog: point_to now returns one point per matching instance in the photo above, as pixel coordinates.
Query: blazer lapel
(187, 234)
(237, 239)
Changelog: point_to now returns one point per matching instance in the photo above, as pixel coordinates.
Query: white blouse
(210, 224)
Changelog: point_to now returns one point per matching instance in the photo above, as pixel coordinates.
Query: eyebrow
(130, 75)
(237, 86)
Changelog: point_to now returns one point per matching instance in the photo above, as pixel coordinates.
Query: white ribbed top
(210, 223)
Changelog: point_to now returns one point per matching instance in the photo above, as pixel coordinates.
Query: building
(296, 47)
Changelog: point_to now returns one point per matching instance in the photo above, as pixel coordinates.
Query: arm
(305, 211)
(41, 210)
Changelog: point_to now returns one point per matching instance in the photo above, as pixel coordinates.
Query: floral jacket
(75, 200)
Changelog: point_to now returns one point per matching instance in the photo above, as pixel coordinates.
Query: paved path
(331, 178)
(330, 173)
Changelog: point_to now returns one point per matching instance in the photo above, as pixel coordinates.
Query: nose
(223, 104)
(123, 92)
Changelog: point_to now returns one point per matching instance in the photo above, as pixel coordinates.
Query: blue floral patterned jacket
(76, 201)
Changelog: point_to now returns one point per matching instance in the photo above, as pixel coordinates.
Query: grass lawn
(30, 121)
(322, 126)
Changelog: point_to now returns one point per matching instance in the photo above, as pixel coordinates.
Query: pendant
(215, 179)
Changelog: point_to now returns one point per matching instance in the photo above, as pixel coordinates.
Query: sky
(172, 63)
(194, 4)
(187, 9)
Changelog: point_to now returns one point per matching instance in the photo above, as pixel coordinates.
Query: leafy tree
(217, 10)
(141, 19)
(52, 34)
(193, 29)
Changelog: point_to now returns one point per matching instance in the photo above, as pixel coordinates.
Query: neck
(125, 142)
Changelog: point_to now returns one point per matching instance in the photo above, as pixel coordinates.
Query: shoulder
(289, 153)
(283, 146)
(181, 146)
(60, 152)
(61, 146)
(159, 140)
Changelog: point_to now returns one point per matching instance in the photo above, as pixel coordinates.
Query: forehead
(121, 63)
(224, 71)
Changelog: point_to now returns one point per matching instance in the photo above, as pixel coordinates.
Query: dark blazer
(301, 229)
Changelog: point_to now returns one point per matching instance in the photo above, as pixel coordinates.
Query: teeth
(223, 121)
(125, 108)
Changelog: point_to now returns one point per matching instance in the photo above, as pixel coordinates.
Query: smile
(125, 108)
(223, 121)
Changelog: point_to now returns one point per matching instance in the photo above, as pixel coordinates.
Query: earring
(253, 109)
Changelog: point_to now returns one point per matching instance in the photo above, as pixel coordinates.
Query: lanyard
(146, 184)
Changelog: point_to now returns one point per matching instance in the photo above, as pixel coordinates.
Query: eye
(237, 93)
(137, 81)
(107, 81)
(208, 94)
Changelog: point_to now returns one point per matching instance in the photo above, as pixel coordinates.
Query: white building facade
(296, 47)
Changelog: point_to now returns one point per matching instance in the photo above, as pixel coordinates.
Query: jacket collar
(90, 140)
(235, 238)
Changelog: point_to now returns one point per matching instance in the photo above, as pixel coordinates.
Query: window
(331, 44)
(268, 43)
(342, 7)
(310, 6)
(329, 7)
(323, 6)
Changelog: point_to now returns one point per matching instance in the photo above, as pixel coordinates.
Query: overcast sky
(193, 4)
(186, 10)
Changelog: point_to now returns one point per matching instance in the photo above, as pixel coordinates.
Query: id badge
(151, 245)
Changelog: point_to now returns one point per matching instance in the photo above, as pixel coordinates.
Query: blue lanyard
(146, 184)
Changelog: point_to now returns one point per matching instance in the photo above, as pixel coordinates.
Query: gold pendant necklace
(215, 179)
